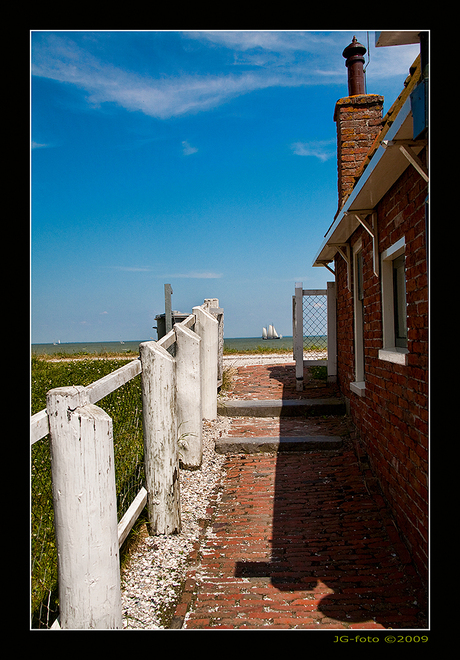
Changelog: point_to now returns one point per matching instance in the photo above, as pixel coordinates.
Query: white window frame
(390, 352)
(359, 384)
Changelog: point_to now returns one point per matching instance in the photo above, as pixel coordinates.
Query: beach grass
(125, 408)
(62, 355)
(86, 355)
(131, 354)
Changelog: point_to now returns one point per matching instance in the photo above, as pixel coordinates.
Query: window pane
(399, 291)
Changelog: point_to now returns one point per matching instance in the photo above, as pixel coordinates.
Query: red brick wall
(392, 417)
(359, 121)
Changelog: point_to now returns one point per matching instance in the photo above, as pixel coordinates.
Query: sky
(202, 159)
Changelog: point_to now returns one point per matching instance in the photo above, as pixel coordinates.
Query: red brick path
(299, 540)
(276, 382)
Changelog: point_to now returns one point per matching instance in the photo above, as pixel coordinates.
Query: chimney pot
(354, 55)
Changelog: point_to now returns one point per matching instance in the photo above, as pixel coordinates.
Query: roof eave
(383, 170)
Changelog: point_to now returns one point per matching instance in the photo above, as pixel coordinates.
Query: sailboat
(270, 333)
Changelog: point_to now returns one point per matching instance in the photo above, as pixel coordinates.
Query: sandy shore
(234, 360)
(255, 359)
(245, 360)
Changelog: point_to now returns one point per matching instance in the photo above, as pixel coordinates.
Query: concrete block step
(258, 445)
(281, 407)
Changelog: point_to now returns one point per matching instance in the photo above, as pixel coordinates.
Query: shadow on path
(333, 537)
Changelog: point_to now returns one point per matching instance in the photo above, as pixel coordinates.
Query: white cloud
(273, 58)
(132, 269)
(283, 51)
(195, 275)
(63, 60)
(187, 149)
(391, 61)
(177, 96)
(321, 149)
(280, 41)
(36, 145)
(192, 275)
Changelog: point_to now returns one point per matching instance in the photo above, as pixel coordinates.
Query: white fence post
(188, 397)
(331, 333)
(298, 335)
(160, 439)
(207, 327)
(211, 305)
(85, 510)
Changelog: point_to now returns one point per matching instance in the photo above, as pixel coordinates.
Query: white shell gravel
(152, 581)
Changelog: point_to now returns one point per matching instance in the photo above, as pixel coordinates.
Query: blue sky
(203, 159)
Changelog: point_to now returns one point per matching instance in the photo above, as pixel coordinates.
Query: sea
(236, 343)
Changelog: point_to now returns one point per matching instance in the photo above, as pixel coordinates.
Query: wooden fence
(177, 394)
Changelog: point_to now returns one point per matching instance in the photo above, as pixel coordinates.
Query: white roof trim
(384, 168)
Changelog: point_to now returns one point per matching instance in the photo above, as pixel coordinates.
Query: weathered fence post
(85, 511)
(161, 457)
(188, 397)
(211, 305)
(297, 332)
(168, 308)
(206, 326)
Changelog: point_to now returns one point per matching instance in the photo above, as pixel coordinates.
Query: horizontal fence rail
(39, 426)
(180, 376)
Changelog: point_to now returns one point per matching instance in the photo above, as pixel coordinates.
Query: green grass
(62, 355)
(319, 372)
(125, 407)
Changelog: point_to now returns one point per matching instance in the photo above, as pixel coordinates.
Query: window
(399, 297)
(358, 386)
(394, 309)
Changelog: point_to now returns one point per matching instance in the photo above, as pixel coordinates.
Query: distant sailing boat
(271, 333)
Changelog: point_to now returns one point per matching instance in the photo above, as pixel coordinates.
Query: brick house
(377, 248)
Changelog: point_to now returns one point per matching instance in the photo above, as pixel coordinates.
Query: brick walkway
(298, 539)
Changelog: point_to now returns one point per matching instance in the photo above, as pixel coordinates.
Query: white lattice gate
(314, 330)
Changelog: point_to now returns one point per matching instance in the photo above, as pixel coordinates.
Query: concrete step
(281, 407)
(258, 445)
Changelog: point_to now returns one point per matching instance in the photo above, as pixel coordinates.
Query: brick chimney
(359, 121)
